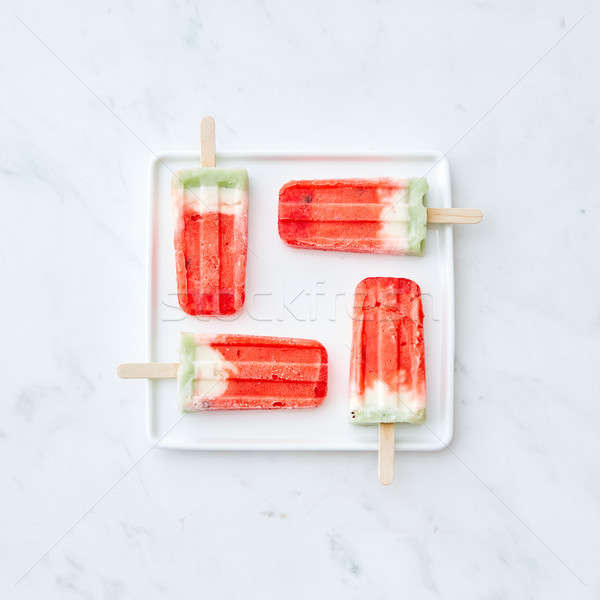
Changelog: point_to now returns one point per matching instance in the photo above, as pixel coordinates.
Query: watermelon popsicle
(384, 216)
(229, 372)
(387, 361)
(387, 368)
(210, 207)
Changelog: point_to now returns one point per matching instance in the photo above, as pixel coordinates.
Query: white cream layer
(211, 373)
(405, 401)
(214, 198)
(394, 221)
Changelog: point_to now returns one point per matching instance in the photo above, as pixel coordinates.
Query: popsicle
(248, 372)
(238, 372)
(210, 209)
(384, 216)
(387, 368)
(387, 363)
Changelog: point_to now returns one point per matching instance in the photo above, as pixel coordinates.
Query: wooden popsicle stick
(147, 370)
(207, 142)
(454, 215)
(387, 448)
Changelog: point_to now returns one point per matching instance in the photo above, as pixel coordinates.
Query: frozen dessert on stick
(387, 362)
(239, 372)
(210, 208)
(385, 216)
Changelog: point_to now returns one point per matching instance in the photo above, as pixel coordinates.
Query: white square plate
(300, 293)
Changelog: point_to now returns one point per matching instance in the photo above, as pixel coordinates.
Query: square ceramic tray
(300, 293)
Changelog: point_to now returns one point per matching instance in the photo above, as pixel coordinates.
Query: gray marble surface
(91, 91)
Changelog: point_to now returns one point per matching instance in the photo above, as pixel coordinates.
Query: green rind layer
(372, 416)
(227, 178)
(417, 216)
(186, 370)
